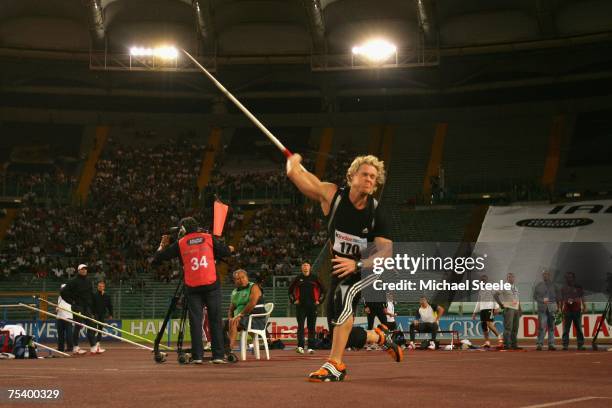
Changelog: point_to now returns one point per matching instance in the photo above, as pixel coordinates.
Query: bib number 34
(198, 263)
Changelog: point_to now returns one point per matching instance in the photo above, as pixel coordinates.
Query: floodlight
(377, 50)
(164, 52)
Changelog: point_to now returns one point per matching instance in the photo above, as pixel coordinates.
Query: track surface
(129, 378)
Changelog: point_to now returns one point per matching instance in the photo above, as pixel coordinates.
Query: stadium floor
(125, 377)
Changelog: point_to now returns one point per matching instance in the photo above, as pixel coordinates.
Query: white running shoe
(99, 349)
(432, 345)
(78, 351)
(411, 345)
(299, 350)
(310, 351)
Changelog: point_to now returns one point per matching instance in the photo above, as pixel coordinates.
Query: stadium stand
(498, 155)
(129, 206)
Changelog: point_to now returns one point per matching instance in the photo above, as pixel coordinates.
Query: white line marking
(26, 376)
(563, 402)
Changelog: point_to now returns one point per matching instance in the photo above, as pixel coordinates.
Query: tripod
(606, 315)
(184, 355)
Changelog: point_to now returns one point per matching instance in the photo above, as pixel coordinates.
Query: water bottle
(26, 355)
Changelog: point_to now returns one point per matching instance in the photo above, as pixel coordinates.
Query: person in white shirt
(426, 321)
(14, 330)
(487, 306)
(64, 328)
(510, 303)
(390, 312)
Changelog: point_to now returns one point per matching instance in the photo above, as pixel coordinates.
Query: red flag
(220, 214)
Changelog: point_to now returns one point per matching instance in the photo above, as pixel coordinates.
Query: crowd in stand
(278, 240)
(252, 184)
(37, 181)
(48, 241)
(264, 184)
(279, 237)
(137, 194)
(337, 165)
(31, 182)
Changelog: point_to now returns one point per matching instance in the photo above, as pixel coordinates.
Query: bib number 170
(197, 263)
(349, 249)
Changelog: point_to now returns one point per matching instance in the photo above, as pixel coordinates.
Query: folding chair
(256, 334)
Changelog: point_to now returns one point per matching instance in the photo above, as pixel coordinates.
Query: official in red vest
(197, 252)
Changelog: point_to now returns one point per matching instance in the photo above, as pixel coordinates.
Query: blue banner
(464, 325)
(45, 330)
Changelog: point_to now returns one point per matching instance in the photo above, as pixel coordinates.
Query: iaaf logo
(583, 208)
(554, 222)
(566, 222)
(195, 241)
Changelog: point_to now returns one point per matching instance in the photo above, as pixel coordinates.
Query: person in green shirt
(246, 298)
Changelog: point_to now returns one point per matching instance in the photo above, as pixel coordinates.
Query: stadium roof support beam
(425, 15)
(95, 16)
(317, 25)
(202, 11)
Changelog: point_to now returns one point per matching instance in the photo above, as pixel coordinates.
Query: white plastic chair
(256, 334)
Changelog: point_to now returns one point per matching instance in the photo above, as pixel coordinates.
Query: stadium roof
(274, 48)
(239, 28)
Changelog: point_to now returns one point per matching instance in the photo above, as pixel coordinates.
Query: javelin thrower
(355, 223)
(353, 220)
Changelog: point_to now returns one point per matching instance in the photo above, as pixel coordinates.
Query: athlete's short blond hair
(379, 165)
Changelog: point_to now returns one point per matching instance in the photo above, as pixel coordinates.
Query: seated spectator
(426, 321)
(246, 299)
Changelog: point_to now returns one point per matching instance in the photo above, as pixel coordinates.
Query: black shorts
(486, 315)
(343, 297)
(258, 323)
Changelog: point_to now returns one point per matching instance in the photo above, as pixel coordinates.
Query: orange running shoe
(386, 341)
(329, 372)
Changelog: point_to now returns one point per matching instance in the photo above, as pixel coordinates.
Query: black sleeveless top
(351, 229)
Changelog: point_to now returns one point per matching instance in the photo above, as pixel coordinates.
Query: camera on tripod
(186, 224)
(173, 233)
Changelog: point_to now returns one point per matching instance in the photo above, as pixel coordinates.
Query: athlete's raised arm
(309, 184)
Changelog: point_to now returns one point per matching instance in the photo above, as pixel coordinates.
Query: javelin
(87, 327)
(240, 106)
(101, 323)
(52, 349)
